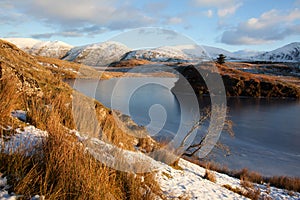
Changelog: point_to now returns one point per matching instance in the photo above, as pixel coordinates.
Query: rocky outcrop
(129, 63)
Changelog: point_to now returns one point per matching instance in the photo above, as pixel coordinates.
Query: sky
(261, 25)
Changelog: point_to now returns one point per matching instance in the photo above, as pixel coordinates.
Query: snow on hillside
(160, 54)
(54, 49)
(187, 182)
(287, 53)
(178, 53)
(107, 52)
(99, 54)
(23, 43)
(23, 140)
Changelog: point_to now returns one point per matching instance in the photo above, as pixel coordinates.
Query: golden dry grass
(69, 70)
(8, 95)
(61, 169)
(284, 182)
(251, 193)
(209, 175)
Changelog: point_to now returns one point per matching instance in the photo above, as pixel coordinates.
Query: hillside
(100, 54)
(240, 81)
(53, 49)
(39, 80)
(287, 53)
(29, 88)
(181, 53)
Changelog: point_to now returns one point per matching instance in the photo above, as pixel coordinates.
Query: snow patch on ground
(25, 140)
(175, 184)
(189, 182)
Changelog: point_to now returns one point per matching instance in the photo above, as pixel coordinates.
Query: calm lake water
(267, 132)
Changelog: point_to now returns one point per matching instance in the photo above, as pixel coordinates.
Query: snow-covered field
(187, 182)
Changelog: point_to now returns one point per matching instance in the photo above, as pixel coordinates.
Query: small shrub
(288, 183)
(251, 193)
(246, 184)
(210, 176)
(235, 190)
(169, 176)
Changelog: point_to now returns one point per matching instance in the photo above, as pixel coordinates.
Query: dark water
(267, 136)
(267, 132)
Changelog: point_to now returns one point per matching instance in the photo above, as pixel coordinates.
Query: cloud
(209, 13)
(49, 35)
(228, 10)
(8, 14)
(113, 14)
(89, 31)
(175, 20)
(224, 7)
(270, 26)
(154, 6)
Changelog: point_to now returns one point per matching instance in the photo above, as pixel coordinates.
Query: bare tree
(196, 146)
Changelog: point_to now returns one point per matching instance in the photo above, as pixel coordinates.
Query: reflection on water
(267, 132)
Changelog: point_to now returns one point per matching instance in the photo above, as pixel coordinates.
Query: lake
(267, 132)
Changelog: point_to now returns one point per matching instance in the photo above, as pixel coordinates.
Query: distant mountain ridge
(287, 53)
(54, 49)
(99, 54)
(178, 53)
(104, 53)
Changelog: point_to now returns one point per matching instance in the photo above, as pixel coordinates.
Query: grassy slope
(64, 171)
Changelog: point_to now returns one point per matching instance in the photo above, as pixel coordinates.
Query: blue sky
(230, 24)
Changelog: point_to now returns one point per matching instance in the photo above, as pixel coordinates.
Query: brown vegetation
(288, 183)
(61, 169)
(251, 193)
(69, 70)
(130, 63)
(209, 175)
(239, 83)
(8, 95)
(284, 182)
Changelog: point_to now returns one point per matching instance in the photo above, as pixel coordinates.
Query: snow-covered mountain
(202, 51)
(287, 53)
(107, 52)
(54, 49)
(23, 43)
(162, 54)
(178, 53)
(99, 54)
